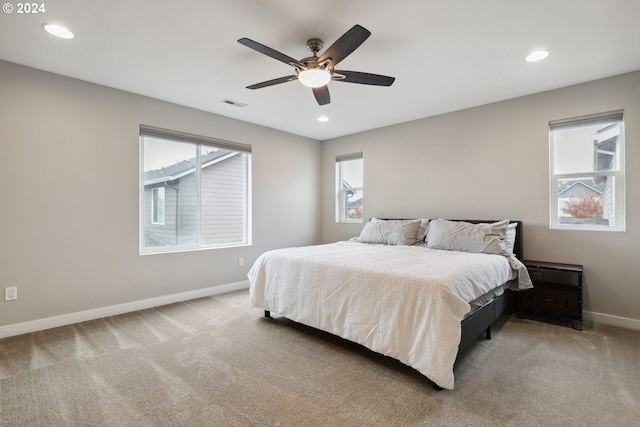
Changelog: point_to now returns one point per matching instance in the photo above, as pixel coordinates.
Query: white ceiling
(446, 55)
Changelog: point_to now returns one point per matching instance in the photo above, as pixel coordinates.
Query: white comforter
(406, 302)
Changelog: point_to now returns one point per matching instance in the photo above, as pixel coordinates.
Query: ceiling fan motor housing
(311, 63)
(314, 45)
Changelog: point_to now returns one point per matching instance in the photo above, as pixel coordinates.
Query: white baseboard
(98, 313)
(607, 319)
(82, 316)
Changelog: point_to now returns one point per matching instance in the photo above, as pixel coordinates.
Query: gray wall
(69, 196)
(69, 172)
(492, 162)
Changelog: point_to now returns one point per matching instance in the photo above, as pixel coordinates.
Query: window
(349, 188)
(194, 192)
(157, 206)
(587, 173)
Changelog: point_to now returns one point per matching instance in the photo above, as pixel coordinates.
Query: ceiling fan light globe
(314, 77)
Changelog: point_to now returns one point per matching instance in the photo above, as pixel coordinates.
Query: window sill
(160, 251)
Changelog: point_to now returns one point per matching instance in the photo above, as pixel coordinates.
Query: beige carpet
(217, 362)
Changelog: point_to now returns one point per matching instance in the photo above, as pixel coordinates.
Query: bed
(419, 291)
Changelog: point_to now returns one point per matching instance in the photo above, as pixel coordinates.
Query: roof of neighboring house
(589, 183)
(185, 167)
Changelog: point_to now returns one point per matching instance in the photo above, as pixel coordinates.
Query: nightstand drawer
(569, 278)
(549, 300)
(555, 300)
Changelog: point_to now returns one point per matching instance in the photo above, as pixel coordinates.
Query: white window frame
(340, 192)
(198, 141)
(617, 173)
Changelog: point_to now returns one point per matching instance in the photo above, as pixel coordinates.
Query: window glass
(587, 173)
(591, 148)
(192, 195)
(350, 188)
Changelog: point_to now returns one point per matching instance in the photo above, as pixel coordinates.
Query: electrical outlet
(240, 262)
(11, 293)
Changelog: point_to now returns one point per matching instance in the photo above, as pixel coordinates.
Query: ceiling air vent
(234, 103)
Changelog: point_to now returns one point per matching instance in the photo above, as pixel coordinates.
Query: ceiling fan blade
(345, 45)
(273, 82)
(322, 95)
(270, 52)
(363, 78)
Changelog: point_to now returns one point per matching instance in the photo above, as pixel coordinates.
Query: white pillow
(390, 231)
(422, 230)
(463, 236)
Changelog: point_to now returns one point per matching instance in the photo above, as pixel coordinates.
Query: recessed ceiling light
(538, 55)
(58, 31)
(323, 119)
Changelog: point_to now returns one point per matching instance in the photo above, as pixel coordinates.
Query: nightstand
(556, 293)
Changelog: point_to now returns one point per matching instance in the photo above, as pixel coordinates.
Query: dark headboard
(518, 247)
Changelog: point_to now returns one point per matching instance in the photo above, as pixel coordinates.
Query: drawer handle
(547, 300)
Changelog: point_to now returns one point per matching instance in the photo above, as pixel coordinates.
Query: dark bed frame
(480, 321)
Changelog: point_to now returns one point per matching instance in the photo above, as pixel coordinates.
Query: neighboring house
(605, 156)
(355, 208)
(354, 201)
(579, 188)
(171, 205)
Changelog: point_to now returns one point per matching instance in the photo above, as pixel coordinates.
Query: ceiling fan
(316, 71)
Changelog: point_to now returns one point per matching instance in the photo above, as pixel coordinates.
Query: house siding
(223, 201)
(223, 207)
(187, 210)
(607, 202)
(180, 225)
(160, 234)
